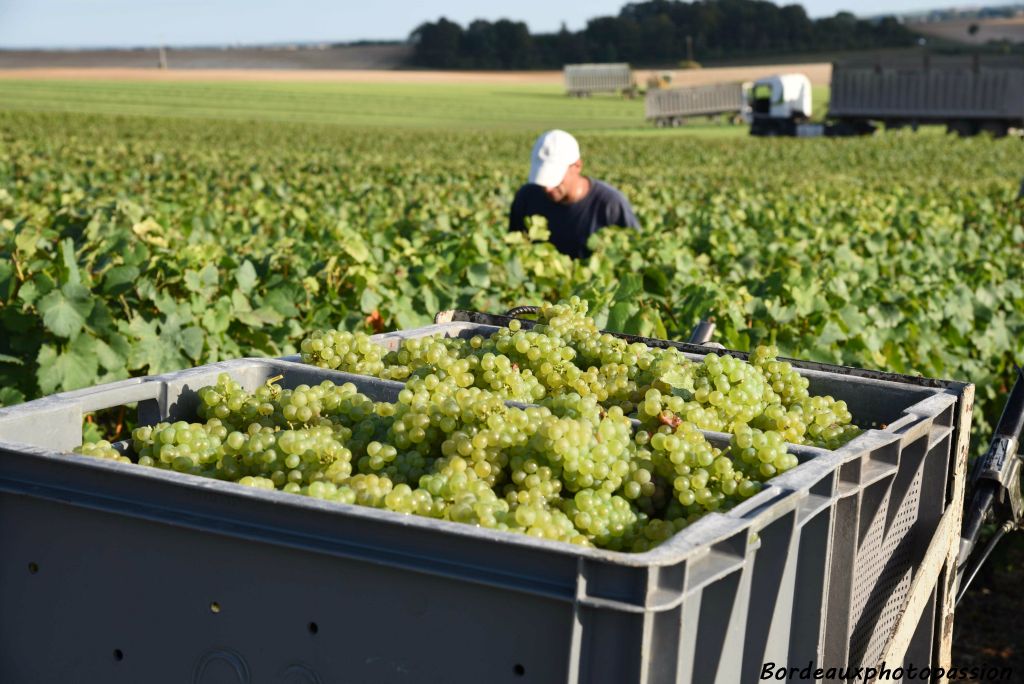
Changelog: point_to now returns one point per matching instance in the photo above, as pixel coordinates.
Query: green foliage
(132, 246)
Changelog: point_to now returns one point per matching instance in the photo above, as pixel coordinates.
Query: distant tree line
(653, 33)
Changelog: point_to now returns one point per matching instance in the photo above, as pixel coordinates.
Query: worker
(575, 206)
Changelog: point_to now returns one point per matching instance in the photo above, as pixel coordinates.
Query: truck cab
(778, 104)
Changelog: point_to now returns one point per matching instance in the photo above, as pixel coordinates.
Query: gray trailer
(966, 94)
(672, 106)
(581, 80)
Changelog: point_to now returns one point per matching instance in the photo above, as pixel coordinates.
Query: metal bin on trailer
(968, 94)
(581, 80)
(671, 106)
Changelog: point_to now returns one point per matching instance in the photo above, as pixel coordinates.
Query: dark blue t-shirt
(572, 224)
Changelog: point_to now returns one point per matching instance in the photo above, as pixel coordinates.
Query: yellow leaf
(150, 232)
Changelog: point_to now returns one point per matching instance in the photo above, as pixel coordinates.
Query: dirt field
(1011, 30)
(818, 73)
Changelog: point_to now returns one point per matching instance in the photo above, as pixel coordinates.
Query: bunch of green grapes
(227, 402)
(431, 354)
(603, 348)
(533, 480)
(828, 422)
(547, 522)
(590, 450)
(802, 419)
(101, 449)
(701, 475)
(404, 499)
(186, 447)
(464, 496)
(567, 319)
(784, 380)
(346, 351)
(607, 520)
(735, 390)
(760, 454)
(788, 422)
(498, 373)
(547, 356)
(283, 456)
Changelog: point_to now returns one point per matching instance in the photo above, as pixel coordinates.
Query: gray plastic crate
(118, 573)
(889, 508)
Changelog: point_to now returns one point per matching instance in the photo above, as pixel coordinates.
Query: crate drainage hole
(33, 568)
(118, 654)
(214, 607)
(313, 628)
(519, 670)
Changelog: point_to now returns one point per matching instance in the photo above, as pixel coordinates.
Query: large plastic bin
(118, 573)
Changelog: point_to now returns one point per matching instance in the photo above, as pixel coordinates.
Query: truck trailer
(967, 94)
(582, 80)
(672, 106)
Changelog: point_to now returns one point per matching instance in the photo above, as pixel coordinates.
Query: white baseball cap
(553, 154)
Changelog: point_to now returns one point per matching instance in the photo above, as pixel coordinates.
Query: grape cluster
(760, 453)
(610, 448)
(185, 447)
(101, 449)
(337, 349)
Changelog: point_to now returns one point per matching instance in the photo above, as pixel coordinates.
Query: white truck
(582, 80)
(672, 106)
(781, 105)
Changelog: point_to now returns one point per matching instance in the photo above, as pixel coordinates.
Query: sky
(129, 23)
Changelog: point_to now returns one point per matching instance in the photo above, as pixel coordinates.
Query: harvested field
(959, 30)
(819, 73)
